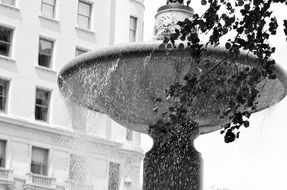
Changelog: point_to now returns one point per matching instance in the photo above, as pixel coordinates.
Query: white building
(39, 146)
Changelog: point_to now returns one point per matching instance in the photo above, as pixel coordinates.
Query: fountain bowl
(126, 81)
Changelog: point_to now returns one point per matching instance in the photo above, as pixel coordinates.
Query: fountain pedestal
(173, 163)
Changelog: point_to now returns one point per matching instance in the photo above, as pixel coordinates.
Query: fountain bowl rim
(147, 48)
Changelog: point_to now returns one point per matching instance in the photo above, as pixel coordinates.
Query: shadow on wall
(86, 35)
(50, 24)
(11, 13)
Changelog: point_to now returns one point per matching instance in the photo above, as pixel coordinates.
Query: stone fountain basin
(124, 80)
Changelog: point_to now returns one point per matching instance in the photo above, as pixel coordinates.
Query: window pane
(129, 134)
(84, 9)
(80, 51)
(39, 161)
(114, 170)
(132, 36)
(46, 46)
(5, 34)
(133, 23)
(4, 49)
(42, 104)
(48, 10)
(83, 22)
(44, 60)
(2, 153)
(3, 94)
(50, 2)
(8, 2)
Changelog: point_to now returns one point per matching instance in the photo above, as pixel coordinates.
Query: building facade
(45, 142)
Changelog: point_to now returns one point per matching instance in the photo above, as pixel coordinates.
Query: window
(39, 161)
(45, 52)
(84, 15)
(8, 2)
(48, 8)
(114, 171)
(129, 134)
(42, 104)
(77, 169)
(133, 28)
(3, 94)
(2, 153)
(80, 51)
(5, 41)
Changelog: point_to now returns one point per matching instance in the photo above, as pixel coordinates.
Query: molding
(49, 19)
(9, 6)
(46, 69)
(61, 131)
(8, 59)
(85, 30)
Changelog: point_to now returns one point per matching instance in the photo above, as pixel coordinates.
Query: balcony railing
(72, 185)
(6, 176)
(40, 180)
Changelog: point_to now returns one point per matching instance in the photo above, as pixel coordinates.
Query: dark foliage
(253, 23)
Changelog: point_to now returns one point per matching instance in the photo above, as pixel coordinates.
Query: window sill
(49, 19)
(84, 30)
(7, 58)
(9, 7)
(45, 69)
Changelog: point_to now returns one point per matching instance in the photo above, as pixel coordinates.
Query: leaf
(181, 46)
(227, 45)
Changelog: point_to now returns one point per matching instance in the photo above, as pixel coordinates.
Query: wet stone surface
(173, 163)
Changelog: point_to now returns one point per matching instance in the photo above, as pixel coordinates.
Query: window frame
(47, 158)
(90, 16)
(5, 153)
(54, 8)
(42, 53)
(6, 96)
(131, 31)
(43, 106)
(11, 29)
(83, 50)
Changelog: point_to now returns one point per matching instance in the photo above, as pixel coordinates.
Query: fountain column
(173, 163)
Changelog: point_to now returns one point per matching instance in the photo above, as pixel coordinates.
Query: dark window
(2, 153)
(42, 104)
(8, 2)
(80, 51)
(3, 94)
(133, 29)
(45, 52)
(114, 178)
(39, 161)
(84, 15)
(129, 134)
(5, 41)
(48, 8)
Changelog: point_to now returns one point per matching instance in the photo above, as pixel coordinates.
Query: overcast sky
(258, 160)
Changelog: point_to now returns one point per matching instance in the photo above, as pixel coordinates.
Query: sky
(258, 159)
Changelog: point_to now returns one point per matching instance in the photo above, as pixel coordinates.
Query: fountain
(128, 83)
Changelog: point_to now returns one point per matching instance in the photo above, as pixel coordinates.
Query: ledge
(84, 30)
(9, 7)
(49, 19)
(8, 59)
(46, 69)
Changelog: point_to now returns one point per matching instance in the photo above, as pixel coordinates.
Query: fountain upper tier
(123, 82)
